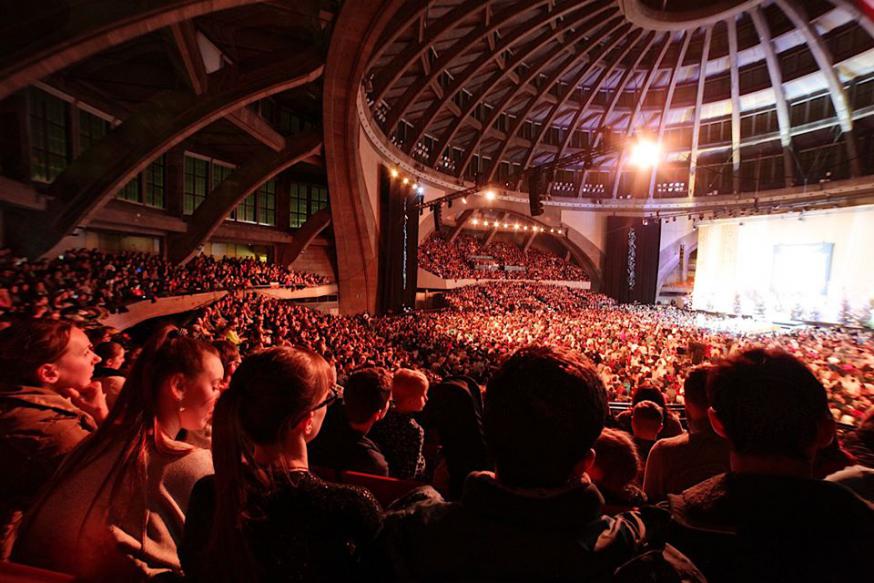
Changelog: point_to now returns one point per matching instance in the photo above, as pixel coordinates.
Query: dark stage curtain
(631, 266)
(398, 244)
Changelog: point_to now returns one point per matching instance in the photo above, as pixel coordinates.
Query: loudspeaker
(534, 202)
(438, 223)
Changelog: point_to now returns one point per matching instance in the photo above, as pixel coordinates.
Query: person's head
(544, 409)
(695, 398)
(617, 463)
(646, 420)
(111, 353)
(409, 390)
(767, 404)
(229, 354)
(366, 395)
(174, 381)
(46, 353)
(648, 393)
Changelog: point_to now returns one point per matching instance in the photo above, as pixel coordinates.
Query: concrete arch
(581, 248)
(230, 193)
(105, 23)
(354, 41)
(311, 229)
(166, 121)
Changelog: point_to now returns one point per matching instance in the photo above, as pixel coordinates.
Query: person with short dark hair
(671, 425)
(768, 519)
(538, 516)
(343, 443)
(678, 462)
(109, 374)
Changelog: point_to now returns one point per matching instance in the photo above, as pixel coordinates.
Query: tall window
(91, 129)
(246, 209)
(130, 191)
(297, 205)
(154, 182)
(50, 144)
(196, 181)
(266, 203)
(318, 198)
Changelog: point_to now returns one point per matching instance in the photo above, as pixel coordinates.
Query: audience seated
(860, 442)
(458, 260)
(109, 374)
(768, 519)
(398, 435)
(647, 420)
(453, 422)
(116, 508)
(538, 517)
(616, 471)
(48, 405)
(263, 516)
(344, 444)
(678, 462)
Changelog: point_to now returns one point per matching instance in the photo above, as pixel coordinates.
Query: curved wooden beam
(532, 73)
(413, 11)
(307, 233)
(571, 87)
(699, 100)
(650, 75)
(783, 119)
(105, 24)
(798, 16)
(234, 189)
(512, 38)
(669, 98)
(163, 122)
(400, 63)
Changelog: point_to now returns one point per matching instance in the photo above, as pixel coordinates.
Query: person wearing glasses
(264, 516)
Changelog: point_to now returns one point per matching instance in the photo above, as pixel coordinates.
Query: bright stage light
(464, 199)
(420, 189)
(394, 172)
(645, 153)
(476, 221)
(405, 181)
(490, 195)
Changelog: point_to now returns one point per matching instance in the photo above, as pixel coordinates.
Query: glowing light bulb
(405, 181)
(645, 153)
(394, 172)
(490, 195)
(476, 221)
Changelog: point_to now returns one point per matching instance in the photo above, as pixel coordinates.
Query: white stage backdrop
(781, 267)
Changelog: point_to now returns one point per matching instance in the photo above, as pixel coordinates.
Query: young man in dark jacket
(767, 519)
(538, 517)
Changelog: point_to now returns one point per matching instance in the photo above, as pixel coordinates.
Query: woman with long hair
(264, 516)
(48, 404)
(116, 508)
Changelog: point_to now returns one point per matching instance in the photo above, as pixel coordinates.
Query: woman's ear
(47, 374)
(176, 382)
(716, 423)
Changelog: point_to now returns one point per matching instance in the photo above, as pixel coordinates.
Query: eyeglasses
(333, 394)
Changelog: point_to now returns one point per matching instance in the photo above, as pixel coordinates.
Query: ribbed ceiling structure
(481, 89)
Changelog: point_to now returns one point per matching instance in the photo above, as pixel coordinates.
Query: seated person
(398, 434)
(646, 423)
(670, 426)
(538, 517)
(264, 516)
(679, 462)
(344, 445)
(859, 443)
(48, 404)
(616, 471)
(115, 509)
(109, 372)
(768, 519)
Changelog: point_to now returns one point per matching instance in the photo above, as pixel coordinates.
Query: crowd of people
(466, 257)
(216, 451)
(84, 280)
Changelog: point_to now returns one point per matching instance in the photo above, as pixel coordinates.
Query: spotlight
(490, 195)
(405, 181)
(645, 154)
(475, 221)
(420, 189)
(464, 200)
(394, 172)
(516, 226)
(525, 228)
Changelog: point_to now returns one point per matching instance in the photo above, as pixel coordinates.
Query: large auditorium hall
(437, 290)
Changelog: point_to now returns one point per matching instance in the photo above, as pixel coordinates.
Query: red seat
(18, 573)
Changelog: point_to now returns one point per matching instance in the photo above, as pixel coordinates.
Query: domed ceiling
(482, 89)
